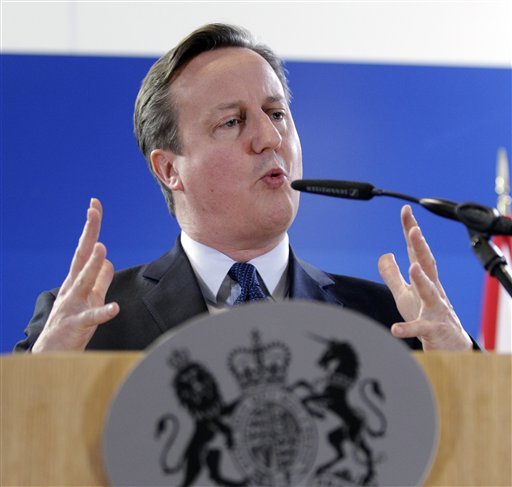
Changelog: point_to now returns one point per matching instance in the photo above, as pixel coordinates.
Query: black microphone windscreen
(339, 189)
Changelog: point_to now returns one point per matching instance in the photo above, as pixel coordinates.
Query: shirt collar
(211, 266)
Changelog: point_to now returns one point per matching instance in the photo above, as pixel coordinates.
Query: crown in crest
(179, 359)
(259, 363)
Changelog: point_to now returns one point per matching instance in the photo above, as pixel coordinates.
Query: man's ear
(164, 165)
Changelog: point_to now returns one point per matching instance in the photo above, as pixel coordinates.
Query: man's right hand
(80, 305)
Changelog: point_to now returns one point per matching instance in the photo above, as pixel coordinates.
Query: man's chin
(278, 220)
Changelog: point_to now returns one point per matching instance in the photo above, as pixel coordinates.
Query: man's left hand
(423, 303)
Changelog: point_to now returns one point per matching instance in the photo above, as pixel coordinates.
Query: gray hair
(155, 117)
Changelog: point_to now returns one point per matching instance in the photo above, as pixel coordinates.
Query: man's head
(156, 117)
(219, 75)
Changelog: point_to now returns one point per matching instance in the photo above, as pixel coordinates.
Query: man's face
(240, 151)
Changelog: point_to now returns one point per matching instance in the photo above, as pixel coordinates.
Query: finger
(434, 335)
(414, 329)
(96, 204)
(427, 291)
(104, 279)
(424, 255)
(408, 223)
(97, 316)
(391, 275)
(74, 333)
(87, 278)
(88, 239)
(408, 219)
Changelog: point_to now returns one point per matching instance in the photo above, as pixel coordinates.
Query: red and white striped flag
(496, 326)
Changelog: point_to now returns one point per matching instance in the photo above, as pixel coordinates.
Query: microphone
(475, 216)
(353, 190)
(339, 189)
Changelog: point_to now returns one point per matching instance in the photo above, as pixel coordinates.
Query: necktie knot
(245, 275)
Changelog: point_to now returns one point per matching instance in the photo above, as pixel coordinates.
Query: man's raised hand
(80, 305)
(423, 303)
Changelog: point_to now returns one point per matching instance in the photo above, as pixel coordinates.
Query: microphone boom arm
(480, 221)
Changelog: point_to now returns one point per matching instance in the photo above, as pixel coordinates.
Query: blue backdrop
(67, 135)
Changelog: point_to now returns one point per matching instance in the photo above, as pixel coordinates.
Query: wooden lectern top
(53, 408)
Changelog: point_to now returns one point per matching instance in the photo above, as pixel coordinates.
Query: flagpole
(503, 182)
(496, 322)
(489, 255)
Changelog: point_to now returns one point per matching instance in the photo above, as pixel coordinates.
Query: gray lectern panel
(289, 394)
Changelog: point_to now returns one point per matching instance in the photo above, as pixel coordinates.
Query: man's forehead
(223, 55)
(231, 74)
(210, 65)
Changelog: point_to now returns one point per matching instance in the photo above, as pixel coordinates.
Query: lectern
(53, 409)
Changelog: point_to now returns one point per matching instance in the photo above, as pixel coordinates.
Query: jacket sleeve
(42, 310)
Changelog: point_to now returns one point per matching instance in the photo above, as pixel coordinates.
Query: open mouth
(275, 173)
(275, 177)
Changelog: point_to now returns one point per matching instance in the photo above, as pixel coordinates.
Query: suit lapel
(309, 283)
(176, 296)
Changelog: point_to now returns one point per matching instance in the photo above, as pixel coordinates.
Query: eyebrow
(235, 104)
(274, 99)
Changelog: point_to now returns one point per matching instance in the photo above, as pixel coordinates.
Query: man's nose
(266, 135)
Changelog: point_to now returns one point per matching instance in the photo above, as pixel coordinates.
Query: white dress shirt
(211, 268)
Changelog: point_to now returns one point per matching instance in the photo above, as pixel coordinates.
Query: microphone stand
(479, 221)
(491, 258)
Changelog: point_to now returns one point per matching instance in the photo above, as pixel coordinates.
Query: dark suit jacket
(157, 297)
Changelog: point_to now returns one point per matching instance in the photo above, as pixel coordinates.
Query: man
(214, 123)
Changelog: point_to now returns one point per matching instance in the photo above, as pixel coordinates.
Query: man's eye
(232, 123)
(278, 116)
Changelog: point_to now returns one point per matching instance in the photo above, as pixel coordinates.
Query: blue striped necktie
(245, 275)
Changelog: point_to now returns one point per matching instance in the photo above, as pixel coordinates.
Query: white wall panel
(36, 27)
(420, 32)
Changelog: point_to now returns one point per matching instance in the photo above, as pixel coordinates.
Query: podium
(53, 408)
